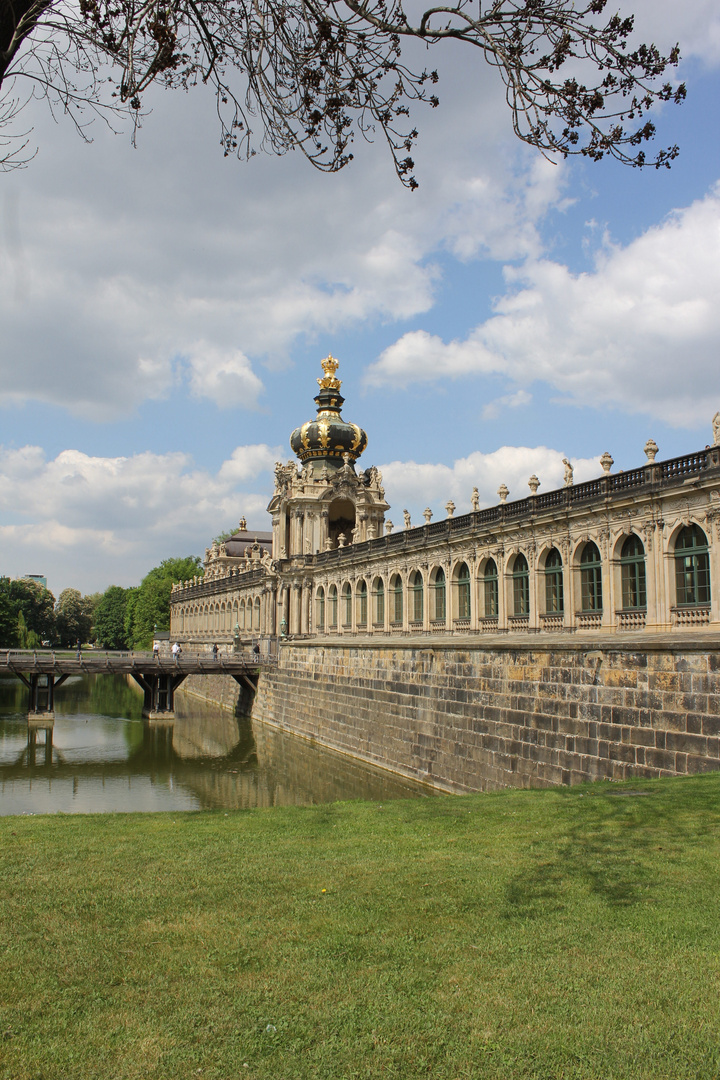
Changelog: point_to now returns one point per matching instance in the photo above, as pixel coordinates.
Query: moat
(102, 757)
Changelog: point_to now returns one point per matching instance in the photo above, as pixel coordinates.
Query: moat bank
(470, 715)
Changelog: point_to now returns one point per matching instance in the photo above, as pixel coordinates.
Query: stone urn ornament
(651, 450)
(450, 508)
(427, 514)
(533, 484)
(503, 493)
(607, 462)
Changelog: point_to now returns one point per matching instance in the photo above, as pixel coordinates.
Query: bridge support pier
(41, 708)
(159, 690)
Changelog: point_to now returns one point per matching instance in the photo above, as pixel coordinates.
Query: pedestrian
(215, 652)
(256, 649)
(176, 651)
(79, 649)
(156, 650)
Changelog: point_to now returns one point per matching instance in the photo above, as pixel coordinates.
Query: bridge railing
(97, 660)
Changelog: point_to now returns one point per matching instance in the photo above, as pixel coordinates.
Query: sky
(164, 311)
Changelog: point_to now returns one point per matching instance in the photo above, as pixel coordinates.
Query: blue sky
(164, 312)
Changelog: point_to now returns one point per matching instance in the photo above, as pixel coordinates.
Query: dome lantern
(328, 437)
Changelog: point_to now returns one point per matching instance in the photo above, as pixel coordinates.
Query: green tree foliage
(8, 617)
(151, 603)
(288, 74)
(109, 619)
(37, 605)
(71, 621)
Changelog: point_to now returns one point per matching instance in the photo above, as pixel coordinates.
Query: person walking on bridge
(215, 651)
(176, 651)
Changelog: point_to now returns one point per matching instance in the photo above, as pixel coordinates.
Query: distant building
(39, 578)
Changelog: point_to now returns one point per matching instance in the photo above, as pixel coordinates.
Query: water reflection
(101, 756)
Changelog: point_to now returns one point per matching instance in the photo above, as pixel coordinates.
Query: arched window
(332, 598)
(257, 613)
(632, 574)
(396, 590)
(490, 590)
(521, 586)
(437, 584)
(378, 601)
(241, 617)
(416, 596)
(692, 567)
(361, 595)
(320, 608)
(590, 579)
(347, 604)
(462, 578)
(553, 582)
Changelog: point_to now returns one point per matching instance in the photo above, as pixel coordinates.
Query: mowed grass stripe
(557, 933)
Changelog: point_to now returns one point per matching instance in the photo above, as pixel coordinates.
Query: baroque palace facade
(634, 552)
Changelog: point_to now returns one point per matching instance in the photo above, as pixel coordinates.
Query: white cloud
(90, 521)
(226, 377)
(413, 486)
(641, 333)
(508, 401)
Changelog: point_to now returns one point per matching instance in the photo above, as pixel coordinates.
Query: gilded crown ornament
(329, 366)
(328, 437)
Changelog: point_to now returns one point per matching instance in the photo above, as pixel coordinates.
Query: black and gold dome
(328, 436)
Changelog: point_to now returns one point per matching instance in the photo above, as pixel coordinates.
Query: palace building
(634, 552)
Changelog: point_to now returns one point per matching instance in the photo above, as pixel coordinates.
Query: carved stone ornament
(406, 518)
(389, 527)
(568, 477)
(651, 450)
(503, 493)
(475, 499)
(450, 508)
(716, 429)
(427, 514)
(533, 484)
(607, 462)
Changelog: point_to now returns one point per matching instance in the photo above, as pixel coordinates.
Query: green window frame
(438, 587)
(590, 578)
(396, 586)
(416, 589)
(554, 597)
(332, 604)
(490, 590)
(379, 601)
(463, 591)
(347, 604)
(521, 586)
(633, 584)
(692, 567)
(320, 608)
(362, 603)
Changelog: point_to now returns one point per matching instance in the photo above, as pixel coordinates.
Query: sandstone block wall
(474, 718)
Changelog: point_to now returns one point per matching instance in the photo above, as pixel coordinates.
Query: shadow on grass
(610, 847)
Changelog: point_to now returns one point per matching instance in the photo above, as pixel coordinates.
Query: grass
(568, 933)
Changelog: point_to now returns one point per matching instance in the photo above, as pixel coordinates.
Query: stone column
(608, 581)
(305, 601)
(324, 528)
(534, 582)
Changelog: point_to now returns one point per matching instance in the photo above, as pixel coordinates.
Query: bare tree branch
(311, 75)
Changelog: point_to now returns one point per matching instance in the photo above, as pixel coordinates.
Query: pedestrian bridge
(43, 671)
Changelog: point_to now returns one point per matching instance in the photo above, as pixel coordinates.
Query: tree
(151, 604)
(71, 622)
(300, 74)
(8, 616)
(110, 618)
(37, 605)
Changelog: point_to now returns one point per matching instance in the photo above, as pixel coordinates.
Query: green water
(102, 756)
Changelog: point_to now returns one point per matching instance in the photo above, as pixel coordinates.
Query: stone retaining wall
(466, 717)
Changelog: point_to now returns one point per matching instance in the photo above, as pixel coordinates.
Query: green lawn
(563, 933)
